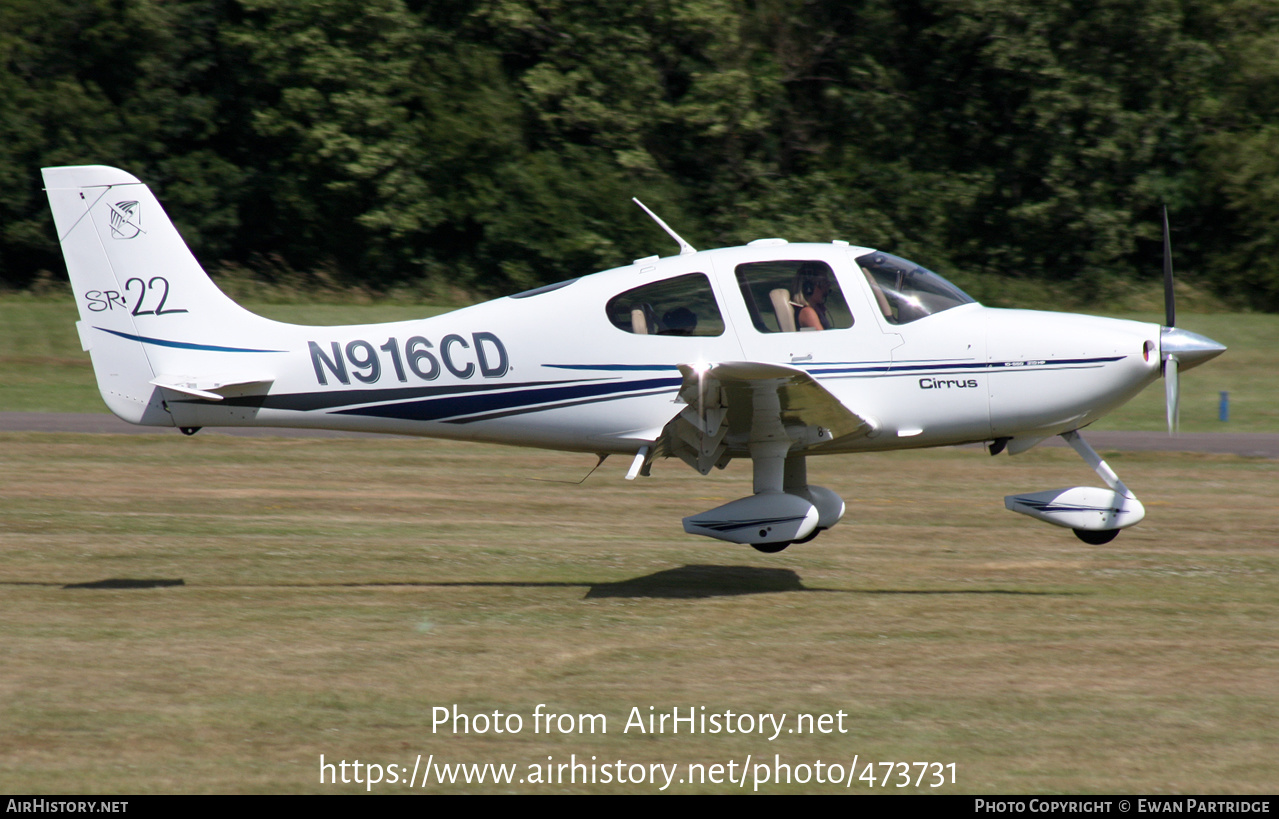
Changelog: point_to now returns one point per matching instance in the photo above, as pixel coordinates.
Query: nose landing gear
(1096, 515)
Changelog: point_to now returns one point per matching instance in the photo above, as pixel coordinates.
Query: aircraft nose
(1190, 348)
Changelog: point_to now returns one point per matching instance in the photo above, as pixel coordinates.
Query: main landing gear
(783, 510)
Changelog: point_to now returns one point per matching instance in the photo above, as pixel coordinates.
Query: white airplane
(772, 351)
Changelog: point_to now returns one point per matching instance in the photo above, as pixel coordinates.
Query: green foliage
(1241, 155)
(494, 144)
(131, 83)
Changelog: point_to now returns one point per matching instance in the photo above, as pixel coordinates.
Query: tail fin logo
(126, 220)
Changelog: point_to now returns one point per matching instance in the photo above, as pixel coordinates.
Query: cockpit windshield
(906, 292)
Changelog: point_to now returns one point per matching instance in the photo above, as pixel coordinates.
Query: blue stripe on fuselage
(839, 368)
(184, 345)
(462, 405)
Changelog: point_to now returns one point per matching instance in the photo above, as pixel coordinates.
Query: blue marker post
(1223, 410)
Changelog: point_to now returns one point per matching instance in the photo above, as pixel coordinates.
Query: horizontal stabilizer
(211, 388)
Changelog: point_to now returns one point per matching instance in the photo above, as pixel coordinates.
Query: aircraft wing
(734, 404)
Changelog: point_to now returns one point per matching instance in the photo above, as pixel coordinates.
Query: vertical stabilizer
(147, 309)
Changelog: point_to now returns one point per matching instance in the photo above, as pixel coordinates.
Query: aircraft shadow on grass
(702, 581)
(126, 583)
(699, 581)
(686, 582)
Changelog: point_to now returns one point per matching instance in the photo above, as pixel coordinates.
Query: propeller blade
(1170, 306)
(1172, 394)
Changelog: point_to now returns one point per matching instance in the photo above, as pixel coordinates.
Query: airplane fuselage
(552, 369)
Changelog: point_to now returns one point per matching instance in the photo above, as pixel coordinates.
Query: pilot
(812, 286)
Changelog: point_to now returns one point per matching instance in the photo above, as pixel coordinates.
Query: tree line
(494, 145)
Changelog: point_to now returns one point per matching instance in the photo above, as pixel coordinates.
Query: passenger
(679, 321)
(812, 286)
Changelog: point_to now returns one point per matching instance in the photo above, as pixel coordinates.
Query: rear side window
(682, 306)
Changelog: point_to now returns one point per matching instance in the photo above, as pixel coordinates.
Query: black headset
(808, 281)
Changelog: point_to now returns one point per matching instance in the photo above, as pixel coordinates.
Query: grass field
(336, 591)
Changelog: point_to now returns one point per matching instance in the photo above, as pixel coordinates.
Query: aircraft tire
(1096, 538)
(771, 548)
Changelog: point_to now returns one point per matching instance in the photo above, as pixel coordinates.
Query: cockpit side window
(906, 292)
(792, 296)
(682, 306)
